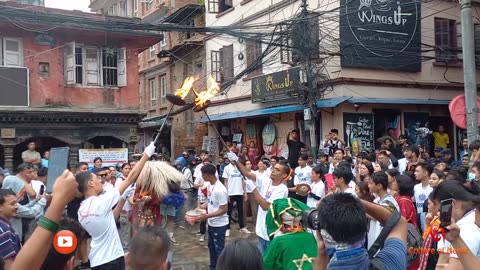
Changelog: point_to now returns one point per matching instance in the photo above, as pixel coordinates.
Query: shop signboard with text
(382, 34)
(358, 131)
(109, 156)
(276, 86)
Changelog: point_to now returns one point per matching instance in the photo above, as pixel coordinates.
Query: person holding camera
(341, 225)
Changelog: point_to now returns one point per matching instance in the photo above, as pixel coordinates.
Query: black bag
(333, 148)
(414, 239)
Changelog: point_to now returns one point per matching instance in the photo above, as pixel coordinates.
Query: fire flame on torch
(202, 98)
(183, 91)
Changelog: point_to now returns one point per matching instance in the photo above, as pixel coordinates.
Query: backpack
(333, 148)
(414, 239)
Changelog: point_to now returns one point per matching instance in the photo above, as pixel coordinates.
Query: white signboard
(110, 157)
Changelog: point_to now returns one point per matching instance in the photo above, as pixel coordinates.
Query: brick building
(67, 78)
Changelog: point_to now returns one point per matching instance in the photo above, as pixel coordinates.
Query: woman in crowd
(250, 203)
(404, 199)
(429, 261)
(317, 187)
(436, 178)
(364, 169)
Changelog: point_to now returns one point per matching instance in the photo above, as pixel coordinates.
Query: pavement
(192, 254)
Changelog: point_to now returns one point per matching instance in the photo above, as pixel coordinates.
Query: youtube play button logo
(65, 242)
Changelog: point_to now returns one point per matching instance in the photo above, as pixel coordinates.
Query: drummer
(317, 191)
(303, 175)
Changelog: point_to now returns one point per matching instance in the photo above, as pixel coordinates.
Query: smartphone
(42, 189)
(57, 164)
(445, 212)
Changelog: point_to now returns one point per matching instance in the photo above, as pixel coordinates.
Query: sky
(69, 4)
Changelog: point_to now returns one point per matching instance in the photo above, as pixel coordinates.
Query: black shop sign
(382, 34)
(358, 130)
(276, 86)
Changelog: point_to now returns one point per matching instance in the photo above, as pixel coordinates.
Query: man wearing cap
(448, 159)
(463, 212)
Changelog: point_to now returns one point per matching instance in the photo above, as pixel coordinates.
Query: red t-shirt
(407, 209)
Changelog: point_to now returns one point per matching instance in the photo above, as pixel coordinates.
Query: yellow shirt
(441, 140)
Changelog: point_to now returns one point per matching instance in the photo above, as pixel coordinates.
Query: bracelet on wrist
(48, 224)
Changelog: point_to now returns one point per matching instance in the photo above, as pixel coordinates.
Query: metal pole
(469, 72)
(223, 141)
(163, 124)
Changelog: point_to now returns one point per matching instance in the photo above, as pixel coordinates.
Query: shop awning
(152, 122)
(325, 103)
(399, 101)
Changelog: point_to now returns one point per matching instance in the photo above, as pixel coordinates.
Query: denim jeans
(216, 243)
(262, 245)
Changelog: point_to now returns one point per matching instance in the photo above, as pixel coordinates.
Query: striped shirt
(10, 243)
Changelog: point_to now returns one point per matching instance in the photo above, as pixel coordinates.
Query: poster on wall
(110, 157)
(418, 128)
(358, 131)
(382, 34)
(251, 135)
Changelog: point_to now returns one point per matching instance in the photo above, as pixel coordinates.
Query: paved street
(191, 254)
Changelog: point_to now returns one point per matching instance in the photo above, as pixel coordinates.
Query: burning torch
(177, 99)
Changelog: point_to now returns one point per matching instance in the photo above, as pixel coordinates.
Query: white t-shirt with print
(96, 217)
(421, 195)
(375, 226)
(197, 174)
(270, 193)
(468, 232)
(319, 190)
(304, 175)
(235, 180)
(216, 197)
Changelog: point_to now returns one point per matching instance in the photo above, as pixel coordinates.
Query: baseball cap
(446, 152)
(438, 149)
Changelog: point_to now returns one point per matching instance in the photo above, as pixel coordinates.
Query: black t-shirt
(294, 148)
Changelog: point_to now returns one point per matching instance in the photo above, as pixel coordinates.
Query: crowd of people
(370, 210)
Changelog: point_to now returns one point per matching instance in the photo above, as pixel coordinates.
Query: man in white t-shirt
(343, 178)
(96, 216)
(200, 184)
(236, 190)
(265, 191)
(378, 184)
(422, 190)
(303, 175)
(463, 211)
(217, 201)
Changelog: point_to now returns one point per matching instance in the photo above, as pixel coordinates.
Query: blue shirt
(44, 163)
(9, 240)
(393, 256)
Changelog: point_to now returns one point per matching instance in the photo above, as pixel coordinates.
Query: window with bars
(163, 89)
(254, 53)
(216, 65)
(93, 66)
(219, 6)
(152, 89)
(446, 49)
(109, 66)
(135, 8)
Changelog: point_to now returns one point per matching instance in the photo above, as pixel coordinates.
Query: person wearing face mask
(286, 231)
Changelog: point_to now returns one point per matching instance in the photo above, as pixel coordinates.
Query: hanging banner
(110, 157)
(358, 131)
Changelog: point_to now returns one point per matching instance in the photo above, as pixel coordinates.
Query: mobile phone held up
(42, 190)
(445, 212)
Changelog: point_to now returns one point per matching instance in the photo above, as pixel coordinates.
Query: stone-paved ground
(191, 254)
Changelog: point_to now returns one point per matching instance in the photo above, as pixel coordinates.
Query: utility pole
(307, 66)
(469, 71)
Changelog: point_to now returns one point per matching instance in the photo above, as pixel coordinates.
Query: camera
(310, 219)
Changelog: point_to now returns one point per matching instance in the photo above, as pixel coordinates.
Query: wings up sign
(381, 34)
